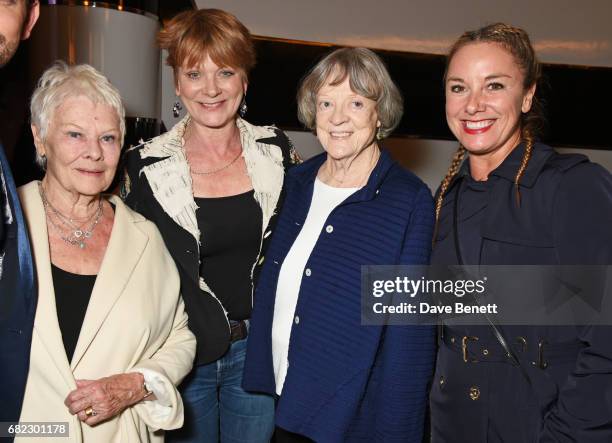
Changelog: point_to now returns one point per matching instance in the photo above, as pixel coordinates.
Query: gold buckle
(464, 347)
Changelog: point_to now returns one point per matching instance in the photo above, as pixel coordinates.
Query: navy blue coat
(17, 297)
(565, 218)
(347, 382)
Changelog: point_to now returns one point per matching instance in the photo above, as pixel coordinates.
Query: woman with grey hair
(336, 379)
(110, 341)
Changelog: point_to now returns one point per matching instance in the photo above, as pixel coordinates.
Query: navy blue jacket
(17, 297)
(347, 382)
(565, 218)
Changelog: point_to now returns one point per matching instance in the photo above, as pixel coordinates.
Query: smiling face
(346, 122)
(16, 23)
(211, 93)
(82, 147)
(485, 97)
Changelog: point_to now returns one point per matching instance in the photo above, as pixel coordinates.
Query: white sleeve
(160, 408)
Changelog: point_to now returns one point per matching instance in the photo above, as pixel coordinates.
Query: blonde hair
(61, 81)
(367, 76)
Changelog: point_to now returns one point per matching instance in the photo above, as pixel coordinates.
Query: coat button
(329, 229)
(442, 381)
(474, 393)
(308, 272)
(296, 320)
(485, 352)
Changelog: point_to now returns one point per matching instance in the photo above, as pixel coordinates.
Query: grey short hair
(61, 81)
(367, 76)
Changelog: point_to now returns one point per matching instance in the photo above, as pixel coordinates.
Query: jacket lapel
(124, 250)
(46, 325)
(170, 179)
(264, 162)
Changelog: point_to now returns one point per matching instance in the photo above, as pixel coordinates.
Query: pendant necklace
(76, 235)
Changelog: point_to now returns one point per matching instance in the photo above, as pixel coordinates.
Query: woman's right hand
(95, 401)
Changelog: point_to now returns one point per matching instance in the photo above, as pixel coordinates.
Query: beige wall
(563, 31)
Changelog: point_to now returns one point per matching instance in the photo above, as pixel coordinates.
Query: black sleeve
(131, 186)
(290, 155)
(582, 225)
(582, 217)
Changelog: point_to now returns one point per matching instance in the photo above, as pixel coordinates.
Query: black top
(563, 219)
(473, 200)
(230, 236)
(272, 153)
(72, 294)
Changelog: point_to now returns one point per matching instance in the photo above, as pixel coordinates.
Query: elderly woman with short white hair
(337, 380)
(110, 339)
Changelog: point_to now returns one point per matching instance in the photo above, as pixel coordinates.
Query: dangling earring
(176, 109)
(243, 108)
(42, 161)
(379, 133)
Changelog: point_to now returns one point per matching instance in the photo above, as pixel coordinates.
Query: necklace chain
(77, 235)
(214, 171)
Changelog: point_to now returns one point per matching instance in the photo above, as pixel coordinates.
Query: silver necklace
(214, 171)
(77, 235)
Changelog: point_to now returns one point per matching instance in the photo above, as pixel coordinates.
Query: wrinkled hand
(107, 396)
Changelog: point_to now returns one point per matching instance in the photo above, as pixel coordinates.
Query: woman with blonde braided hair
(510, 200)
(514, 41)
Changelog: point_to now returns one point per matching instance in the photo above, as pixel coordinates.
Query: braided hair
(516, 42)
(452, 171)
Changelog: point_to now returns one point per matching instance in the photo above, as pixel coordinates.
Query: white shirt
(324, 199)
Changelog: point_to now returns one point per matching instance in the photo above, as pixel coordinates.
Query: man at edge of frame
(18, 292)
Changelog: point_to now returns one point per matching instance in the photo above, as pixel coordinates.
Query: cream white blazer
(135, 320)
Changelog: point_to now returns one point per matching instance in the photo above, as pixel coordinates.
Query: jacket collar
(307, 172)
(125, 248)
(171, 142)
(170, 179)
(510, 166)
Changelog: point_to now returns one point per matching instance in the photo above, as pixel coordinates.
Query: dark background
(575, 98)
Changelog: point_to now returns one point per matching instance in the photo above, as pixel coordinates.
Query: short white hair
(61, 81)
